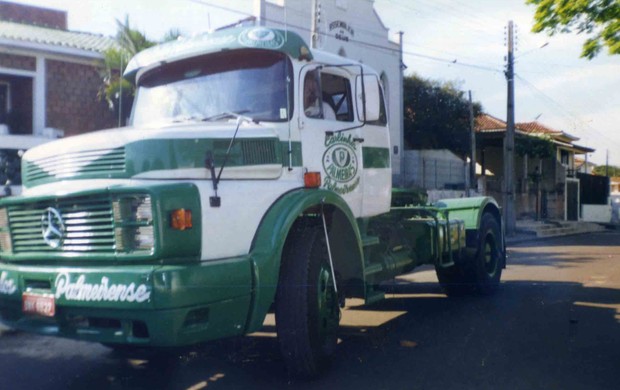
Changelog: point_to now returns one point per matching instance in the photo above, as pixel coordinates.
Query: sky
(449, 40)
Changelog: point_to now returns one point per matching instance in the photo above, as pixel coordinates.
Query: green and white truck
(255, 176)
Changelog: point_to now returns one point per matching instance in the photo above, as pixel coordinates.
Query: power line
(441, 12)
(452, 62)
(565, 112)
(376, 46)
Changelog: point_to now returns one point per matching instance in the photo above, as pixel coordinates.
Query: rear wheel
(487, 265)
(306, 309)
(455, 280)
(480, 273)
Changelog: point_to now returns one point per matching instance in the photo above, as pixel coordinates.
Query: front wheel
(307, 310)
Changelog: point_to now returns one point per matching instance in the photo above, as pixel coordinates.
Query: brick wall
(72, 101)
(44, 17)
(18, 62)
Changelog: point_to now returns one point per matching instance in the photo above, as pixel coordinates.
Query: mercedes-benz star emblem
(52, 227)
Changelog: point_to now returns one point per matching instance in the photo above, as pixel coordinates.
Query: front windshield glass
(247, 82)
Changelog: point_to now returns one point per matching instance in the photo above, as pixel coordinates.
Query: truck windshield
(248, 82)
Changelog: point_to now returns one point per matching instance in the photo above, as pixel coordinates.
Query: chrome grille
(96, 162)
(88, 222)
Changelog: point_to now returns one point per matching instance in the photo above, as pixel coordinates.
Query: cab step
(373, 269)
(373, 295)
(370, 241)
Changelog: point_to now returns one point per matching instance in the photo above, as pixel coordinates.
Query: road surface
(554, 324)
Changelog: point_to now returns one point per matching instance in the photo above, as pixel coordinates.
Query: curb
(518, 240)
(6, 330)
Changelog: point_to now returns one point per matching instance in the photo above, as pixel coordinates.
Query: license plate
(40, 304)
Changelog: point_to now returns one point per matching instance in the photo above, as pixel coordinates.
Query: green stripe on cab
(376, 157)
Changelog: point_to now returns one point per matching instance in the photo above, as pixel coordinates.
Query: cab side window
(327, 96)
(312, 95)
(336, 92)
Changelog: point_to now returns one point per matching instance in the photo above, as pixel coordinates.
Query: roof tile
(53, 37)
(489, 123)
(536, 128)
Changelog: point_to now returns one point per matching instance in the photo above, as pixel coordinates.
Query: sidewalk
(528, 230)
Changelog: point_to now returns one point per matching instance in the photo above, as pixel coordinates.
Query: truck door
(330, 133)
(377, 172)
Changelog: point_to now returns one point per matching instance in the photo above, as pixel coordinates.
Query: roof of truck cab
(328, 58)
(229, 39)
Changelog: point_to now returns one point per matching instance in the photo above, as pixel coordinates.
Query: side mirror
(368, 98)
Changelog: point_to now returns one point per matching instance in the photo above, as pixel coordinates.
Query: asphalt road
(554, 324)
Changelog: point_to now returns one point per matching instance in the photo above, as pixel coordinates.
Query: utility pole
(472, 144)
(607, 162)
(401, 76)
(509, 140)
(316, 20)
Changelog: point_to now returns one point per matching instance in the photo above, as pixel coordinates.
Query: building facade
(50, 77)
(546, 182)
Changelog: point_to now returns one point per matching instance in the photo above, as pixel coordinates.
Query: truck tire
(486, 267)
(480, 273)
(455, 281)
(306, 308)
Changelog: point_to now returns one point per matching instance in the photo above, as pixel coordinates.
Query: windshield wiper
(230, 114)
(215, 201)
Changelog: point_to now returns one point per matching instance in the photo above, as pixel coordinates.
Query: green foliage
(598, 19)
(10, 168)
(601, 170)
(534, 146)
(172, 35)
(116, 89)
(436, 115)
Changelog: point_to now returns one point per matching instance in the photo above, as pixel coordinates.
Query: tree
(599, 19)
(117, 91)
(436, 115)
(540, 146)
(602, 170)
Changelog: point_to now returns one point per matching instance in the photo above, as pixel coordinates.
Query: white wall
(434, 169)
(351, 28)
(596, 213)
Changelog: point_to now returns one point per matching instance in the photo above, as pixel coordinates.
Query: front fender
(269, 240)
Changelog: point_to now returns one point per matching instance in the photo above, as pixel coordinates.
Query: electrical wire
(392, 50)
(565, 112)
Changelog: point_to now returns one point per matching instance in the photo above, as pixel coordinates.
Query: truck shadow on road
(531, 334)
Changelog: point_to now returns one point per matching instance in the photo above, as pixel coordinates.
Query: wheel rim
(329, 311)
(490, 256)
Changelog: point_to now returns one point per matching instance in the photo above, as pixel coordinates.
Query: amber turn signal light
(181, 219)
(312, 179)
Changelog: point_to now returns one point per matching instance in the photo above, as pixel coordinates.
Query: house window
(564, 157)
(16, 104)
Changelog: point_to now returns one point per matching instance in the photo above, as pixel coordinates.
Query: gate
(572, 200)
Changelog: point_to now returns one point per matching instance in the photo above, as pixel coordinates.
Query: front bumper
(141, 305)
